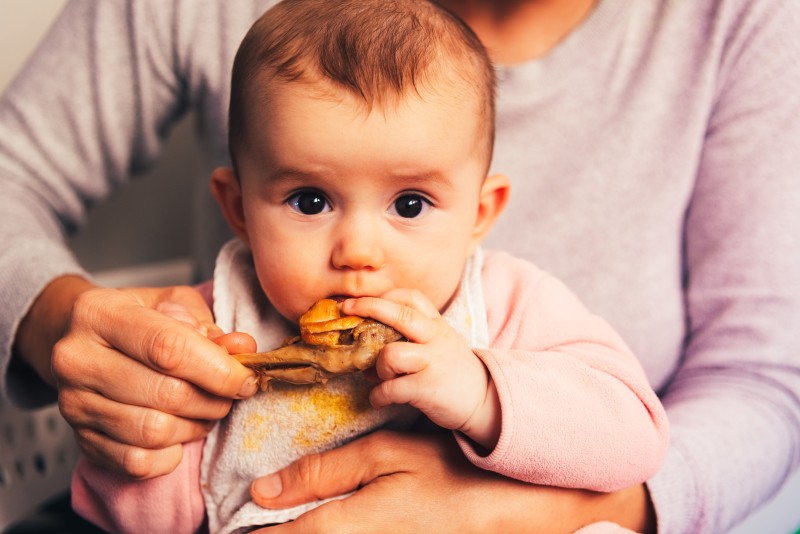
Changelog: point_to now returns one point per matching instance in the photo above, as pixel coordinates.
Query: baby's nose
(359, 247)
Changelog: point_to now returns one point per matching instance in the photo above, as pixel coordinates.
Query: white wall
(22, 22)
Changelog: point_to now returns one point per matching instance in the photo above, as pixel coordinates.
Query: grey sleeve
(87, 111)
(733, 405)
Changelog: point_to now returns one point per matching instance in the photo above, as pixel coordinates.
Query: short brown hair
(375, 49)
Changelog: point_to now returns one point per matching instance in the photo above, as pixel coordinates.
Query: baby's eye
(410, 206)
(309, 202)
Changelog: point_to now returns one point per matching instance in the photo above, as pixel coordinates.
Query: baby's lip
(341, 297)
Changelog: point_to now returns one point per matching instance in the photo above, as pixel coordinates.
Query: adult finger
(327, 474)
(186, 297)
(136, 462)
(405, 483)
(108, 372)
(425, 484)
(128, 424)
(181, 313)
(164, 344)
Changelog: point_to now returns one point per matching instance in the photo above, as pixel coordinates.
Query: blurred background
(132, 241)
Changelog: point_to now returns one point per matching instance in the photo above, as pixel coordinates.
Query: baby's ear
(494, 196)
(227, 190)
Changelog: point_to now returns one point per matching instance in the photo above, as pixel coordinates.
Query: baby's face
(338, 202)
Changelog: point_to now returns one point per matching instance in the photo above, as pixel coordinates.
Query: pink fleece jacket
(577, 410)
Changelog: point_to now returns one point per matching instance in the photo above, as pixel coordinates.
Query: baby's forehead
(445, 93)
(297, 125)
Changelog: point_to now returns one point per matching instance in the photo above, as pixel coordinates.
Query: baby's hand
(435, 371)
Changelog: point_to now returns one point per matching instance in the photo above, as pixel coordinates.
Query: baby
(361, 133)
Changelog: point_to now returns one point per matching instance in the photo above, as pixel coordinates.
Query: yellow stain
(326, 411)
(259, 428)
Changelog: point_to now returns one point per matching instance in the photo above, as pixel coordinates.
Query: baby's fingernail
(267, 487)
(249, 388)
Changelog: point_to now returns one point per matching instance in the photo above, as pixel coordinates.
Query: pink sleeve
(169, 503)
(577, 410)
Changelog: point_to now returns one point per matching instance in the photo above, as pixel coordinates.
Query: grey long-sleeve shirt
(654, 158)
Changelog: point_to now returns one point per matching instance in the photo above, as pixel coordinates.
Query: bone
(353, 344)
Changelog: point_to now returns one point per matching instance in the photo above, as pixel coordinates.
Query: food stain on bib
(328, 412)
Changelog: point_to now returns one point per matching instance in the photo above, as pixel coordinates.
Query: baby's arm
(116, 503)
(558, 399)
(435, 371)
(577, 409)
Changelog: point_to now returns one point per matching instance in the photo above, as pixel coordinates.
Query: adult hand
(423, 483)
(136, 371)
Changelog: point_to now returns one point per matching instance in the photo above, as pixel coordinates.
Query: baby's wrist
(483, 427)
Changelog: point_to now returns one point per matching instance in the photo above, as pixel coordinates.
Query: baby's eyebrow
(423, 178)
(289, 174)
(409, 178)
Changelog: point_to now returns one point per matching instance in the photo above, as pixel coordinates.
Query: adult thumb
(323, 475)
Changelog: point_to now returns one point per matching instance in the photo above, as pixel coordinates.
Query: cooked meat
(329, 345)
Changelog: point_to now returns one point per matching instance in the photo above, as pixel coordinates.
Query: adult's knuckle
(68, 407)
(218, 408)
(156, 429)
(307, 470)
(137, 462)
(169, 348)
(89, 306)
(64, 360)
(171, 394)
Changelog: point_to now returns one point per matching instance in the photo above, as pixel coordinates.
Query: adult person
(653, 150)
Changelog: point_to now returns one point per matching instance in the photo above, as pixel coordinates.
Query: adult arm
(87, 111)
(733, 403)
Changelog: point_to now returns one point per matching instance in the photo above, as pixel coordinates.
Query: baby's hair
(377, 50)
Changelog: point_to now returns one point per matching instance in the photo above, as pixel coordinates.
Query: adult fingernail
(267, 487)
(249, 388)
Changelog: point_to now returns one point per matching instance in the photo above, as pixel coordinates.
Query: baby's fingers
(401, 358)
(401, 390)
(414, 299)
(412, 323)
